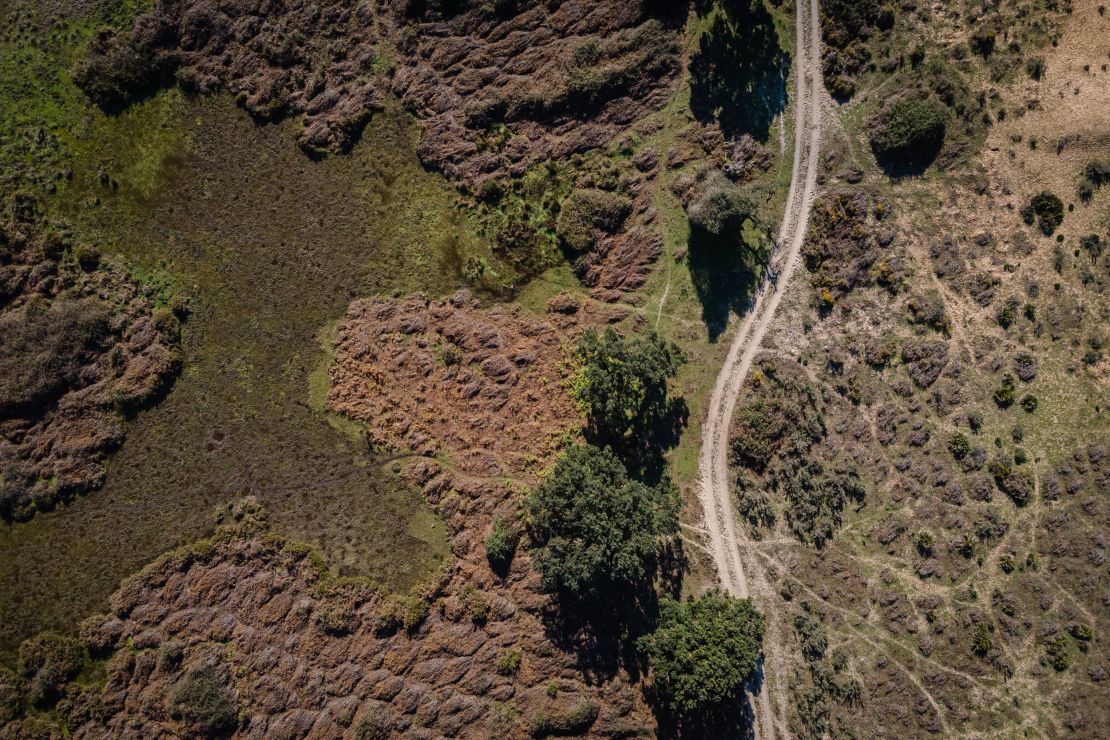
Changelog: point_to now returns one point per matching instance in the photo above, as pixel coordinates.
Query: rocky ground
(82, 346)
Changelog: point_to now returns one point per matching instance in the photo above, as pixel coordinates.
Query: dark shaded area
(722, 281)
(907, 135)
(738, 74)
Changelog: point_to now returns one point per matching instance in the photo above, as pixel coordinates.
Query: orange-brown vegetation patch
(293, 654)
(81, 347)
(488, 387)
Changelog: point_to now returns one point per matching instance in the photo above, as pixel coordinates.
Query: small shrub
(1004, 393)
(924, 543)
(1029, 403)
(500, 543)
(87, 256)
(911, 132)
(1007, 563)
(416, 611)
(1046, 209)
(1058, 652)
(1035, 67)
(975, 421)
(959, 446)
(201, 700)
(508, 662)
(982, 640)
(476, 605)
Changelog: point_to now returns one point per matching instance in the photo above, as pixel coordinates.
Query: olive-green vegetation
(622, 389)
(202, 700)
(1046, 210)
(816, 495)
(704, 651)
(909, 133)
(719, 206)
(773, 439)
(269, 246)
(518, 220)
(593, 528)
(500, 543)
(586, 215)
(47, 661)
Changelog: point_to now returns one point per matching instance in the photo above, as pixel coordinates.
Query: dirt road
(724, 539)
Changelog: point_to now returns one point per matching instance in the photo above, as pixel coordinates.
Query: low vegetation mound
(82, 346)
(908, 134)
(587, 215)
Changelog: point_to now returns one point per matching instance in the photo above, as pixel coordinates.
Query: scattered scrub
(1046, 210)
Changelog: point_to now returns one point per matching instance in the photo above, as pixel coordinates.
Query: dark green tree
(622, 389)
(593, 529)
(704, 651)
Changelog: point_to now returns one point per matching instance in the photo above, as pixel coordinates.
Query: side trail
(720, 518)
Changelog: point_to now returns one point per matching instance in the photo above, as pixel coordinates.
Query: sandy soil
(726, 543)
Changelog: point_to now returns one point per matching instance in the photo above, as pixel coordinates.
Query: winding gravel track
(713, 466)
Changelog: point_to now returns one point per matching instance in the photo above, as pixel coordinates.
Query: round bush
(910, 132)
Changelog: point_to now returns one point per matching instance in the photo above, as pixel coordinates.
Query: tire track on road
(724, 541)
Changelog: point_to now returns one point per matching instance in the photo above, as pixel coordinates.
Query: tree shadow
(643, 451)
(738, 74)
(722, 281)
(910, 164)
(602, 629)
(735, 718)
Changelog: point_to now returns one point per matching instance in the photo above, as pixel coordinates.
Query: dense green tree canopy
(622, 389)
(594, 528)
(704, 651)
